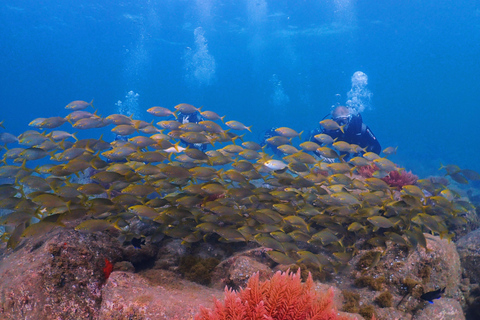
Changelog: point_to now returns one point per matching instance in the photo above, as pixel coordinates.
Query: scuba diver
(195, 117)
(354, 130)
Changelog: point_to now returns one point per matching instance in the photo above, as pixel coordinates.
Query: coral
(197, 269)
(396, 179)
(352, 300)
(399, 179)
(282, 297)
(107, 270)
(317, 274)
(412, 286)
(366, 261)
(384, 300)
(369, 281)
(368, 312)
(367, 171)
(424, 272)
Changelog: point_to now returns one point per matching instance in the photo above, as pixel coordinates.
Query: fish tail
(91, 104)
(249, 128)
(300, 135)
(241, 137)
(1, 124)
(222, 118)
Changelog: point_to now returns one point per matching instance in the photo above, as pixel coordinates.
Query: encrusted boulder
(439, 266)
(153, 294)
(404, 273)
(58, 275)
(235, 271)
(441, 309)
(468, 248)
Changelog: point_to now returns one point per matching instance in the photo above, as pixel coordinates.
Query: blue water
(264, 63)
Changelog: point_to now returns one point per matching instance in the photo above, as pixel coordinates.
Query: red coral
(399, 179)
(280, 298)
(108, 269)
(394, 178)
(367, 171)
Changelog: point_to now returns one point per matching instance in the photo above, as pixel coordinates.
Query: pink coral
(367, 171)
(399, 179)
(394, 178)
(280, 298)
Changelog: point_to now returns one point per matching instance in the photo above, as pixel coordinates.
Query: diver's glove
(327, 160)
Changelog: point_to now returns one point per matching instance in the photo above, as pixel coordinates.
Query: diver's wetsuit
(195, 117)
(190, 117)
(356, 133)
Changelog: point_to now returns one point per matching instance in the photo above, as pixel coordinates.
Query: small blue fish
(432, 295)
(138, 242)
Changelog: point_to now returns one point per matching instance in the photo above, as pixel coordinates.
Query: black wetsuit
(195, 117)
(356, 133)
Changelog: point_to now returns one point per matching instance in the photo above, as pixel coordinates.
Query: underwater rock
(141, 258)
(170, 253)
(156, 294)
(338, 298)
(444, 262)
(442, 309)
(391, 314)
(126, 266)
(468, 248)
(57, 276)
(407, 273)
(207, 250)
(235, 271)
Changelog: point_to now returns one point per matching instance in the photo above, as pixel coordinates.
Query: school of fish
(304, 209)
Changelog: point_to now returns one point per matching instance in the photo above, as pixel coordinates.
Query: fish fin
(341, 128)
(240, 137)
(1, 124)
(222, 118)
(87, 148)
(24, 165)
(300, 135)
(249, 128)
(91, 104)
(281, 170)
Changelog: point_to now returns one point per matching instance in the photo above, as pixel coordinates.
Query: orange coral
(280, 298)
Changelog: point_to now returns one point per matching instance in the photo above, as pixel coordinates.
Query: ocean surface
(264, 63)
